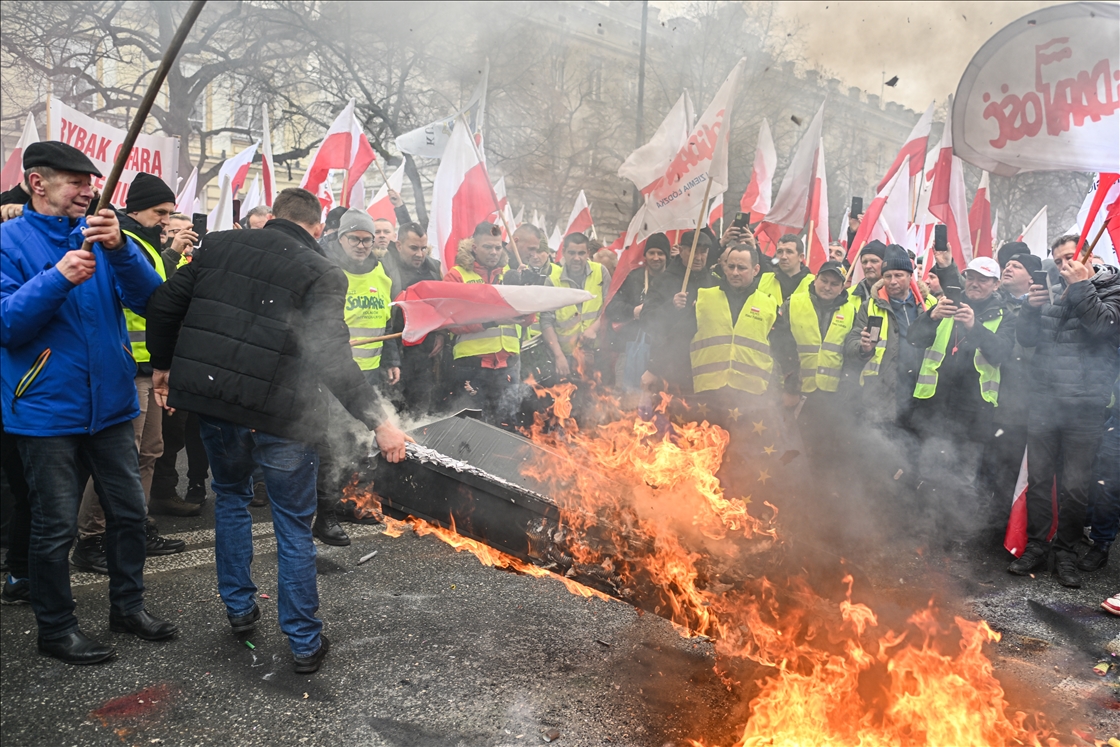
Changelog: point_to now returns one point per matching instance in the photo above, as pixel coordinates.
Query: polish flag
(913, 150)
(995, 230)
(380, 206)
(13, 167)
(252, 197)
(1015, 538)
(268, 170)
(461, 196)
(980, 220)
(817, 239)
(536, 221)
(648, 163)
(357, 199)
(504, 210)
(556, 239)
(221, 217)
(791, 206)
(580, 219)
(184, 203)
(344, 147)
(1035, 235)
(715, 213)
(433, 304)
(948, 201)
(756, 198)
(632, 252)
(1104, 192)
(237, 168)
(326, 196)
(518, 219)
(885, 216)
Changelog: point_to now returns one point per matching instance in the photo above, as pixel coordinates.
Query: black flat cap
(56, 155)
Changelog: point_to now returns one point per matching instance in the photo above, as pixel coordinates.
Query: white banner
(1042, 94)
(152, 154)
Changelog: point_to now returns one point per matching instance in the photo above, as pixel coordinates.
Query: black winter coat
(262, 334)
(1075, 339)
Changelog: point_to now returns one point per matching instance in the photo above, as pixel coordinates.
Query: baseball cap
(985, 266)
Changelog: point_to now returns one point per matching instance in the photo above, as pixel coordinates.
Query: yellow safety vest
(367, 310)
(137, 327)
(821, 360)
(728, 353)
(769, 284)
(487, 341)
(571, 321)
(871, 368)
(935, 356)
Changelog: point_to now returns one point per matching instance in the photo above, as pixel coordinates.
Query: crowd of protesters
(254, 349)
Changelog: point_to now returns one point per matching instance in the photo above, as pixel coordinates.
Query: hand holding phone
(1040, 277)
(869, 337)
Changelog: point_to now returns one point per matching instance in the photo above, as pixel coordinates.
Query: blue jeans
(290, 468)
(56, 468)
(1104, 491)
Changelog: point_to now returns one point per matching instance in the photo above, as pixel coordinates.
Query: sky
(926, 44)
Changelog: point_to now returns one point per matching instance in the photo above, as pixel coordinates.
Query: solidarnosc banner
(152, 154)
(1044, 94)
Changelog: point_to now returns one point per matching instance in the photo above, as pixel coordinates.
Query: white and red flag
(237, 168)
(433, 304)
(184, 203)
(791, 206)
(357, 198)
(221, 217)
(556, 239)
(13, 167)
(326, 195)
(518, 219)
(884, 219)
(948, 200)
(647, 164)
(817, 239)
(715, 213)
(913, 151)
(756, 198)
(1015, 538)
(380, 206)
(268, 170)
(461, 196)
(1035, 235)
(980, 219)
(252, 197)
(1104, 193)
(580, 219)
(344, 147)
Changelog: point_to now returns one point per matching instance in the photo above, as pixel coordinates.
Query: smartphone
(741, 220)
(940, 238)
(198, 225)
(875, 327)
(237, 212)
(1040, 277)
(953, 292)
(857, 207)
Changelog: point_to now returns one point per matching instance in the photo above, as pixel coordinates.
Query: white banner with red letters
(152, 154)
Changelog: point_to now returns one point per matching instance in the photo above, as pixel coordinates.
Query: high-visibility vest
(821, 360)
(935, 356)
(871, 368)
(367, 310)
(571, 321)
(726, 353)
(137, 327)
(769, 284)
(487, 341)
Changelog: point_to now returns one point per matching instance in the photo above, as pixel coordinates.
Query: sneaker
(89, 555)
(173, 505)
(196, 493)
(260, 495)
(1112, 604)
(16, 592)
(1065, 570)
(1032, 559)
(1093, 560)
(160, 545)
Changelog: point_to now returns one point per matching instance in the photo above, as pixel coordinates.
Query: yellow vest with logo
(935, 356)
(367, 310)
(487, 341)
(728, 353)
(137, 327)
(871, 368)
(571, 321)
(821, 360)
(769, 284)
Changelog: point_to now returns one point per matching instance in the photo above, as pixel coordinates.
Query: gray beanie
(355, 220)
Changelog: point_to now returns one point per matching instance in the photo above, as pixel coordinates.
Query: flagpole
(380, 338)
(383, 177)
(696, 233)
(493, 194)
(1090, 247)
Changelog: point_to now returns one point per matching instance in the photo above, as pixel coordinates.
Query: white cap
(986, 266)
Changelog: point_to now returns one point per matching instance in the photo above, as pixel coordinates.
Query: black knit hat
(876, 247)
(55, 155)
(1029, 262)
(334, 218)
(658, 241)
(147, 191)
(896, 258)
(1009, 250)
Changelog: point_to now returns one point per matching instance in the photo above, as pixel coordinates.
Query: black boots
(326, 528)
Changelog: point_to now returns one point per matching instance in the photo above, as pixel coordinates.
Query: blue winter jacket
(66, 367)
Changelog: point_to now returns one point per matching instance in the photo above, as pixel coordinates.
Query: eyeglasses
(355, 241)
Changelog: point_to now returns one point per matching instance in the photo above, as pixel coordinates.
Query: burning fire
(825, 674)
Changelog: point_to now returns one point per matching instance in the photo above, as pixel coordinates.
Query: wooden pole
(367, 340)
(346, 188)
(696, 233)
(1088, 250)
(146, 105)
(493, 194)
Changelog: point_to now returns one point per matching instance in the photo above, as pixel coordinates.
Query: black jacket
(1075, 339)
(262, 334)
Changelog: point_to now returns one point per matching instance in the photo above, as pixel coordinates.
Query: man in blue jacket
(66, 380)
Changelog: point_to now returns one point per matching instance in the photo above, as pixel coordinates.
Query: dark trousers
(418, 381)
(497, 392)
(1104, 510)
(1062, 444)
(1003, 455)
(18, 526)
(56, 468)
(179, 430)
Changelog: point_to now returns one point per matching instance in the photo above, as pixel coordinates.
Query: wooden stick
(1090, 247)
(493, 194)
(164, 68)
(377, 162)
(366, 340)
(696, 233)
(346, 188)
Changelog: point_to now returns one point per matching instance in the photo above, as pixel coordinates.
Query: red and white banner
(980, 220)
(948, 200)
(756, 198)
(268, 170)
(380, 206)
(431, 140)
(580, 219)
(1103, 194)
(1015, 538)
(1036, 235)
(817, 238)
(1041, 94)
(152, 154)
(648, 163)
(913, 151)
(184, 202)
(433, 304)
(237, 168)
(461, 197)
(791, 206)
(13, 167)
